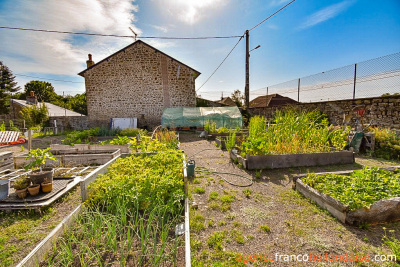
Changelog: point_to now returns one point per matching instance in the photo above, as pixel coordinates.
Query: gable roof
(227, 101)
(129, 46)
(270, 101)
(53, 110)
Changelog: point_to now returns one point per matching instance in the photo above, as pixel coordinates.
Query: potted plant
(20, 186)
(39, 173)
(47, 185)
(34, 189)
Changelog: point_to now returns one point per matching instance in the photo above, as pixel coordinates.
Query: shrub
(35, 114)
(387, 143)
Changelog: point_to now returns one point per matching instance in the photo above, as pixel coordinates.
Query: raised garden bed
(75, 155)
(259, 162)
(357, 211)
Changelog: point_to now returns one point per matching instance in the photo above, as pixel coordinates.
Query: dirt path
(267, 217)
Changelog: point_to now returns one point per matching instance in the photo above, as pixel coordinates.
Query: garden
(133, 210)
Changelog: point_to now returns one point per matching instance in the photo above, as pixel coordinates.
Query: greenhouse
(229, 117)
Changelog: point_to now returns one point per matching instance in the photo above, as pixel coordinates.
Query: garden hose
(238, 185)
(219, 173)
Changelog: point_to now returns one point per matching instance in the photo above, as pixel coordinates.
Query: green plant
(230, 141)
(215, 240)
(2, 126)
(387, 143)
(199, 190)
(227, 198)
(196, 223)
(35, 114)
(258, 174)
(359, 189)
(21, 183)
(247, 192)
(265, 228)
(39, 156)
(291, 132)
(393, 243)
(213, 196)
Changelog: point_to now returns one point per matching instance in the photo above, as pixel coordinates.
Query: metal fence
(370, 78)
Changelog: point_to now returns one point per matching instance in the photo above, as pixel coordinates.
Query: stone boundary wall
(379, 111)
(71, 122)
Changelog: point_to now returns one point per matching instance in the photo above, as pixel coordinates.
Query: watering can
(190, 165)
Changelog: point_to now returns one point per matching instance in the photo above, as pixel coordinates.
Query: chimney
(31, 99)
(89, 62)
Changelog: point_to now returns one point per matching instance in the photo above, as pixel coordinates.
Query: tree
(43, 90)
(78, 103)
(7, 87)
(238, 97)
(35, 115)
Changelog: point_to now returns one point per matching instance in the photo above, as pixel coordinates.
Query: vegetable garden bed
(130, 213)
(258, 162)
(354, 197)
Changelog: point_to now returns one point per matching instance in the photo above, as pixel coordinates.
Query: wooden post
(29, 140)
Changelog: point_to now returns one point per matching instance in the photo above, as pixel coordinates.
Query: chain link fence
(371, 78)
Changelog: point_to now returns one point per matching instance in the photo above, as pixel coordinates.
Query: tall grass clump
(291, 132)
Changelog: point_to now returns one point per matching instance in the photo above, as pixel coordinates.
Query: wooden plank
(92, 177)
(39, 252)
(6, 155)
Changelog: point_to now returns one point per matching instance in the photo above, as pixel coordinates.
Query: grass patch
(213, 196)
(197, 223)
(199, 190)
(247, 192)
(265, 228)
(215, 240)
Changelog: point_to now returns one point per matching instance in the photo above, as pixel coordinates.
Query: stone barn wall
(381, 111)
(138, 81)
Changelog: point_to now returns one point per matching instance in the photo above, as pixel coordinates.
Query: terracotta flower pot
(21, 193)
(34, 189)
(47, 187)
(38, 177)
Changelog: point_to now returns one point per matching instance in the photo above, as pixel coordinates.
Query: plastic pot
(47, 187)
(34, 189)
(38, 177)
(21, 193)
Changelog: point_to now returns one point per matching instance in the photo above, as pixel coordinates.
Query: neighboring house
(64, 117)
(258, 104)
(139, 81)
(201, 102)
(227, 101)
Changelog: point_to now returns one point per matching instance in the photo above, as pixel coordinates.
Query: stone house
(139, 81)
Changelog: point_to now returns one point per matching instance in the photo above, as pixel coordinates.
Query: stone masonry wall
(137, 82)
(379, 111)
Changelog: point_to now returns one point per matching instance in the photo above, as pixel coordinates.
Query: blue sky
(306, 38)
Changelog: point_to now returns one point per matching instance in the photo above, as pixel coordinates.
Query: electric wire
(276, 12)
(17, 74)
(230, 52)
(121, 36)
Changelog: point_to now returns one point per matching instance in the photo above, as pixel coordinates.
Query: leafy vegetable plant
(360, 189)
(40, 156)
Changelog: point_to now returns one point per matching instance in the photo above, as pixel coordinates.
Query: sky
(305, 38)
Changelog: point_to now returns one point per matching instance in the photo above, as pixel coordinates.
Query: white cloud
(325, 14)
(191, 11)
(53, 53)
(279, 2)
(160, 28)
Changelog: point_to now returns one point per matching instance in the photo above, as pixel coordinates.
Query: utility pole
(247, 83)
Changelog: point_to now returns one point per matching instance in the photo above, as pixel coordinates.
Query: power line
(120, 36)
(45, 78)
(221, 63)
(276, 12)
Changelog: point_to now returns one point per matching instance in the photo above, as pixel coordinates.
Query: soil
(267, 217)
